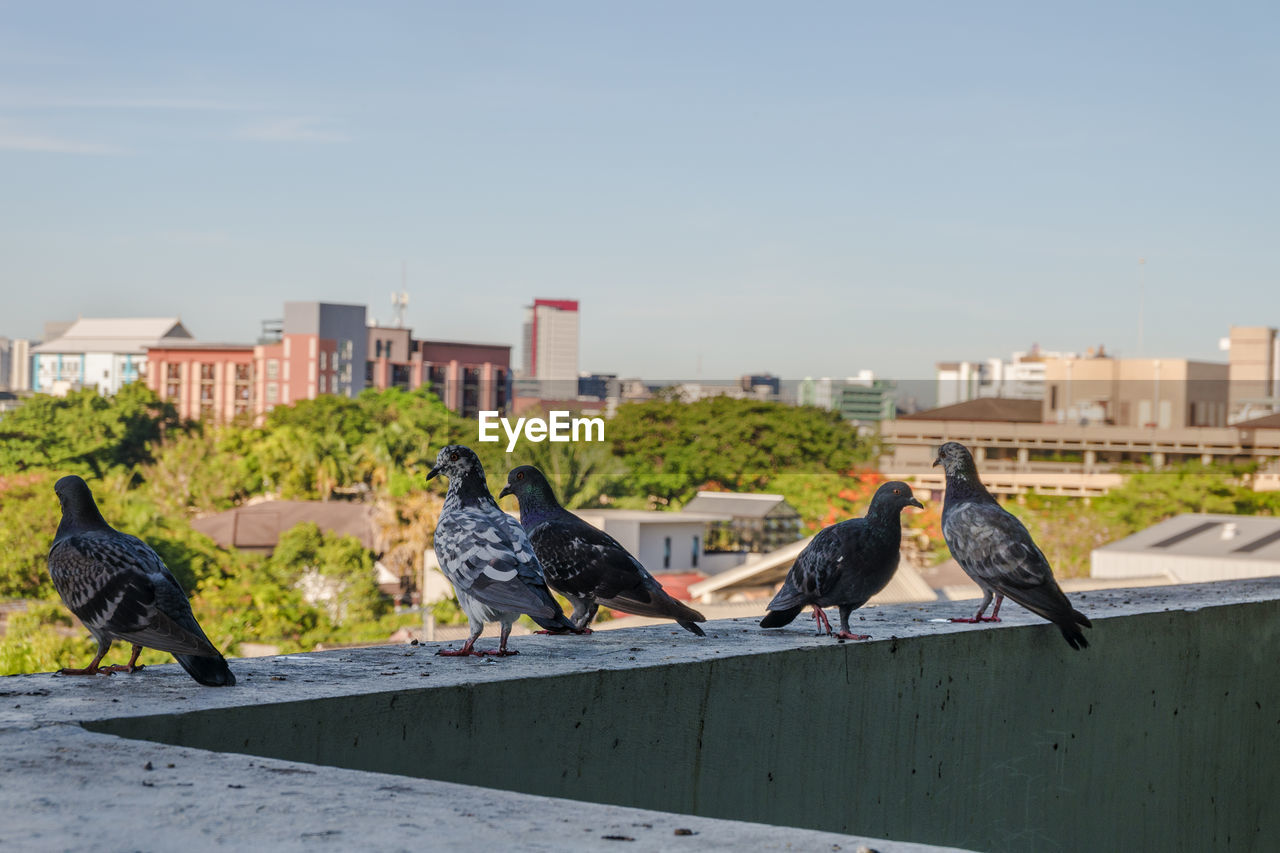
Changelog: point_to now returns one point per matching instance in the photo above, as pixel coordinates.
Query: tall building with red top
(551, 345)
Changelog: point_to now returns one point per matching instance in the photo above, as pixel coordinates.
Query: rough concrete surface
(985, 737)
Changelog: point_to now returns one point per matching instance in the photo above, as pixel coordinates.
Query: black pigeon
(585, 564)
(995, 549)
(487, 557)
(845, 564)
(121, 590)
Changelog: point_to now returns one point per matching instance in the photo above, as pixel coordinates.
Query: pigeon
(585, 564)
(121, 590)
(845, 564)
(486, 555)
(995, 549)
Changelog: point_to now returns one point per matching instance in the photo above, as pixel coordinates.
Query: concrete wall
(1161, 736)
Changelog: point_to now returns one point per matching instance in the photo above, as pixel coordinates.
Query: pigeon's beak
(433, 472)
(937, 461)
(506, 490)
(915, 503)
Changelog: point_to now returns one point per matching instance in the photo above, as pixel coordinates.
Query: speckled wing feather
(120, 588)
(486, 552)
(995, 549)
(585, 562)
(813, 574)
(582, 560)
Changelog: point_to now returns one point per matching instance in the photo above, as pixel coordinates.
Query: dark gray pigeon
(845, 564)
(585, 564)
(487, 557)
(121, 590)
(995, 549)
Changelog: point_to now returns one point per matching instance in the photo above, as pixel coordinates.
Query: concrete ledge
(1161, 735)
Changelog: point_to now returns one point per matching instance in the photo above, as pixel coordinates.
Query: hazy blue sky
(805, 188)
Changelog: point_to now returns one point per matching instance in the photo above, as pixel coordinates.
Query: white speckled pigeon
(121, 590)
(487, 557)
(995, 549)
(585, 564)
(845, 564)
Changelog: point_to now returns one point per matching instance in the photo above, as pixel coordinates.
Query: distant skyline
(726, 187)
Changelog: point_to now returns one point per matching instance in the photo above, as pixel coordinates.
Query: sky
(804, 188)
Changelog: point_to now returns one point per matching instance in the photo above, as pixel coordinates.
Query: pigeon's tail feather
(1073, 635)
(558, 622)
(691, 627)
(209, 671)
(1081, 619)
(778, 618)
(653, 601)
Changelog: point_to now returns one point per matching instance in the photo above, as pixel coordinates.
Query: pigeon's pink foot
(824, 625)
(458, 653)
(498, 653)
(845, 635)
(121, 667)
(89, 670)
(553, 633)
(967, 620)
(987, 619)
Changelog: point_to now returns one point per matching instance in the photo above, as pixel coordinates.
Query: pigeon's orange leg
(824, 624)
(978, 617)
(92, 668)
(462, 652)
(846, 635)
(501, 650)
(131, 666)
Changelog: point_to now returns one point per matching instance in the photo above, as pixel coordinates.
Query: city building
(1017, 451)
(862, 399)
(467, 377)
(1021, 377)
(101, 353)
(663, 542)
(550, 339)
(15, 364)
(314, 350)
(1195, 548)
(322, 350)
(1253, 354)
(755, 523)
(1161, 393)
(204, 380)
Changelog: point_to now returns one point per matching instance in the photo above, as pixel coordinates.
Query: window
(666, 552)
(323, 377)
(697, 546)
(273, 392)
(273, 368)
(323, 355)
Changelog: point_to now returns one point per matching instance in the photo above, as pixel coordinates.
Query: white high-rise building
(1019, 378)
(551, 346)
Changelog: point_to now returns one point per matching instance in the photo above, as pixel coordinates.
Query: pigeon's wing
(585, 562)
(582, 560)
(118, 586)
(488, 554)
(813, 574)
(994, 547)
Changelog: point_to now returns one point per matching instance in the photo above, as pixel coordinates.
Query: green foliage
(671, 449)
(305, 554)
(84, 432)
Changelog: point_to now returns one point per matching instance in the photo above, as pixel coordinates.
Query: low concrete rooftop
(979, 737)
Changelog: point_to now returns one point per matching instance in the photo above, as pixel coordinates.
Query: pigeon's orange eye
(520, 476)
(897, 491)
(453, 457)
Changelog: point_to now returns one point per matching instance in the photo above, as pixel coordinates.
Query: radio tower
(399, 301)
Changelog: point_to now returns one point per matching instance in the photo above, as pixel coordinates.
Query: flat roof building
(1195, 548)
